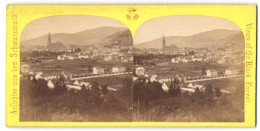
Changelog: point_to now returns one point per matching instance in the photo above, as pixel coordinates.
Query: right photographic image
(188, 69)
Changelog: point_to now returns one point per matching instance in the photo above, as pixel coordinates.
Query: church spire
(49, 39)
(163, 43)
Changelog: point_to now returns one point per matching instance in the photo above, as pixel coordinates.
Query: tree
(203, 71)
(174, 88)
(95, 93)
(209, 94)
(89, 69)
(104, 90)
(209, 90)
(217, 92)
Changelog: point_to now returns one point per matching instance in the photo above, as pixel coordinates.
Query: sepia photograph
(76, 68)
(130, 65)
(188, 69)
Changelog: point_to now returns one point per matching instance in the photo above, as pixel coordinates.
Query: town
(93, 63)
(76, 82)
(190, 66)
(184, 84)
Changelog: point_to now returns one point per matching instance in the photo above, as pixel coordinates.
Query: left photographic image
(76, 68)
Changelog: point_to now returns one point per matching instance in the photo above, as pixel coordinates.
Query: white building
(39, 75)
(211, 73)
(190, 90)
(140, 71)
(76, 82)
(165, 87)
(50, 84)
(76, 87)
(153, 78)
(98, 70)
(228, 72)
(111, 89)
(118, 69)
(190, 85)
(25, 68)
(175, 60)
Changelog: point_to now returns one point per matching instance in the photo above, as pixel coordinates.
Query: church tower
(49, 39)
(163, 43)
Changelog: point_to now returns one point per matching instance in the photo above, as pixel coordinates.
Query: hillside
(234, 41)
(97, 36)
(121, 38)
(209, 39)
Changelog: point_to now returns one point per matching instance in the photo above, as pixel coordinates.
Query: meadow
(189, 69)
(75, 66)
(109, 80)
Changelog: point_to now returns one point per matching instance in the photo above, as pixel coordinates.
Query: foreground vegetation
(210, 105)
(39, 103)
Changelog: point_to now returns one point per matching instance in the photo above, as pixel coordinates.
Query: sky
(66, 24)
(179, 26)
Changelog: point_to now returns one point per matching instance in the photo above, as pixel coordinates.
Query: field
(188, 69)
(110, 80)
(75, 67)
(229, 84)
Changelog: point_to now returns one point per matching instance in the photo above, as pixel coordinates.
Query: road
(104, 75)
(215, 78)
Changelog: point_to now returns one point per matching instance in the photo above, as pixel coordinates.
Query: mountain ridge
(94, 36)
(207, 39)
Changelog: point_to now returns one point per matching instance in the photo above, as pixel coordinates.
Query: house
(108, 58)
(49, 77)
(98, 70)
(189, 90)
(175, 60)
(228, 72)
(111, 89)
(59, 57)
(25, 68)
(70, 58)
(190, 85)
(50, 84)
(39, 75)
(184, 60)
(211, 73)
(131, 58)
(140, 71)
(231, 72)
(165, 86)
(196, 59)
(153, 78)
(118, 69)
(76, 82)
(75, 87)
(135, 78)
(82, 56)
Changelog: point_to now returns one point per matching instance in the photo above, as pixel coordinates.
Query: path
(215, 78)
(104, 75)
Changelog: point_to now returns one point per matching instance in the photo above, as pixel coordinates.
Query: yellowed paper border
(18, 16)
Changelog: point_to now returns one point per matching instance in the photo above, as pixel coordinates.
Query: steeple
(163, 43)
(49, 39)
